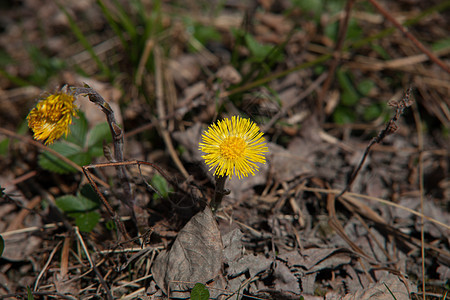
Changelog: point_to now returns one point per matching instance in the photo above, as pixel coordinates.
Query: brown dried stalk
(390, 128)
(117, 135)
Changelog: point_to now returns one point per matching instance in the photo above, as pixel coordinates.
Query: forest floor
(353, 201)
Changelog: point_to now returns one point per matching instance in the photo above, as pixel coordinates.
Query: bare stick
(112, 213)
(390, 128)
(138, 163)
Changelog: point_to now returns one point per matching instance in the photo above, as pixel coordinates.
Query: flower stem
(219, 192)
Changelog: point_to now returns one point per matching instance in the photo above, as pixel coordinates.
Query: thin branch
(390, 128)
(112, 213)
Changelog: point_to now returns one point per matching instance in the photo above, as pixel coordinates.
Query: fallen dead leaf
(383, 289)
(195, 256)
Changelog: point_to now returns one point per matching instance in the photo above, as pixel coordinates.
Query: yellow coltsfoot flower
(234, 147)
(51, 117)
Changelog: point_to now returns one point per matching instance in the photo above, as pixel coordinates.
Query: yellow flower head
(234, 146)
(51, 117)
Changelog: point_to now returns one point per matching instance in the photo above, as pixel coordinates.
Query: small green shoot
(441, 44)
(134, 26)
(349, 95)
(390, 292)
(110, 225)
(161, 186)
(201, 33)
(4, 144)
(84, 41)
(199, 292)
(29, 294)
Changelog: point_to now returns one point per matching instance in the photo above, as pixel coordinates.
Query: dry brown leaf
(286, 280)
(19, 247)
(254, 264)
(286, 164)
(232, 243)
(195, 256)
(382, 290)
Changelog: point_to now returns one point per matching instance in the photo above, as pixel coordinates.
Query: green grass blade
(126, 21)
(392, 294)
(82, 39)
(14, 79)
(111, 21)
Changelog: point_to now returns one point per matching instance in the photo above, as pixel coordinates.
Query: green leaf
(81, 159)
(78, 130)
(2, 245)
(96, 151)
(70, 203)
(199, 292)
(86, 221)
(50, 162)
(99, 133)
(80, 208)
(73, 152)
(205, 34)
(88, 192)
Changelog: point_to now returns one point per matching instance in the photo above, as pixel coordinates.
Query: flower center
(232, 147)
